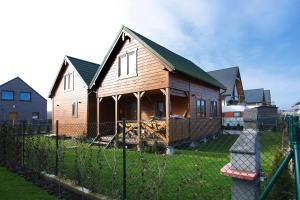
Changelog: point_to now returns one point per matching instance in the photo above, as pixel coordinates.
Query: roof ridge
(224, 69)
(82, 60)
(255, 89)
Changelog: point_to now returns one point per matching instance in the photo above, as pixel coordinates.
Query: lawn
(189, 174)
(15, 187)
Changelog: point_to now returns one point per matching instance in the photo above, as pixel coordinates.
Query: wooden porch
(147, 114)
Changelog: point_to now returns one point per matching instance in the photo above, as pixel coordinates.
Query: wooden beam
(142, 94)
(138, 112)
(116, 113)
(167, 94)
(119, 97)
(100, 99)
(163, 91)
(135, 94)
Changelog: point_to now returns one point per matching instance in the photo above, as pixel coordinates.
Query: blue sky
(261, 37)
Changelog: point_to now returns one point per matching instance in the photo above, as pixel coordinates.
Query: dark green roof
(85, 69)
(173, 60)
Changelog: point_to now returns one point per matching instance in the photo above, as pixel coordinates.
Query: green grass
(15, 187)
(189, 174)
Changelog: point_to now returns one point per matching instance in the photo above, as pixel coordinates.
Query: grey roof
(173, 60)
(85, 68)
(18, 78)
(267, 94)
(227, 77)
(254, 95)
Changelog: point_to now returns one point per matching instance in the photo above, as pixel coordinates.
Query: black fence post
(56, 156)
(124, 158)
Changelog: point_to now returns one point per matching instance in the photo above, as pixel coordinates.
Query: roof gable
(174, 61)
(85, 69)
(227, 77)
(21, 80)
(254, 95)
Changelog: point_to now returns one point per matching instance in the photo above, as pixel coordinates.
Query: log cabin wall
(150, 73)
(62, 106)
(199, 127)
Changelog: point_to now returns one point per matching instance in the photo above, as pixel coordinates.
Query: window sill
(126, 77)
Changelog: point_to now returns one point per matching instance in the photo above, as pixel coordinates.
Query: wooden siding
(199, 127)
(62, 106)
(150, 73)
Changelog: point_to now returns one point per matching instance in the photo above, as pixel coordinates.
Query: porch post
(116, 113)
(167, 94)
(98, 117)
(138, 96)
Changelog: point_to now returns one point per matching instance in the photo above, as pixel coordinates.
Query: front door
(12, 116)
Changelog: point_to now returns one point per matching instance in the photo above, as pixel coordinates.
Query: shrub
(274, 128)
(284, 187)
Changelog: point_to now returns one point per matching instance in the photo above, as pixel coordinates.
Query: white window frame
(75, 113)
(69, 81)
(128, 73)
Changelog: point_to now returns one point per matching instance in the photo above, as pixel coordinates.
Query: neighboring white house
(257, 97)
(231, 78)
(233, 115)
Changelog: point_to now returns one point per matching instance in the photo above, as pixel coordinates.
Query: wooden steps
(103, 141)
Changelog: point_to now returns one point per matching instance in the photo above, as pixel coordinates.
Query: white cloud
(35, 35)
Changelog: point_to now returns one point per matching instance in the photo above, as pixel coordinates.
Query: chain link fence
(235, 162)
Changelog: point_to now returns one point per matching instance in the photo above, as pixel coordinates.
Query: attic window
(127, 64)
(68, 81)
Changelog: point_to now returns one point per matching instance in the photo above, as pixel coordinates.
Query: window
(160, 109)
(68, 81)
(236, 114)
(25, 96)
(7, 95)
(213, 109)
(132, 63)
(127, 64)
(75, 109)
(201, 108)
(123, 66)
(35, 115)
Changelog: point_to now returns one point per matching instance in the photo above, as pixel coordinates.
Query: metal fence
(233, 163)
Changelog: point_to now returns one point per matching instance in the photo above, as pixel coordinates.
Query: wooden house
(73, 105)
(163, 95)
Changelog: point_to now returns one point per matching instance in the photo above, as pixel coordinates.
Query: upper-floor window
(213, 109)
(25, 96)
(69, 81)
(201, 108)
(127, 64)
(7, 95)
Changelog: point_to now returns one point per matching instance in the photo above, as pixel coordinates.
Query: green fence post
(56, 152)
(124, 158)
(295, 144)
